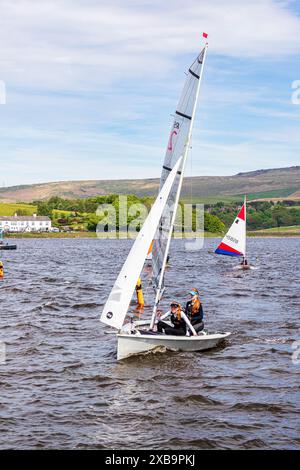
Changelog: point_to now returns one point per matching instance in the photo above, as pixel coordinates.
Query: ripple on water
(63, 388)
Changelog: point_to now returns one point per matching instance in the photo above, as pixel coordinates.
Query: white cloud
(62, 44)
(93, 82)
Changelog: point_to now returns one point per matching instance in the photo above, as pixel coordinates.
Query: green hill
(261, 184)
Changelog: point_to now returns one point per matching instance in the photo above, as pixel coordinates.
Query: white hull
(243, 268)
(129, 344)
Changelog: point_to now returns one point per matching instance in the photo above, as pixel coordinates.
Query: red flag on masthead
(205, 35)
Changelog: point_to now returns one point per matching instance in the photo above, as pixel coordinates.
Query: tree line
(82, 213)
(260, 214)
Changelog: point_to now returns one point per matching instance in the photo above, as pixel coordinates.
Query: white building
(25, 223)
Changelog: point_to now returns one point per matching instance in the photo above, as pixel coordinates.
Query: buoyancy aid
(178, 323)
(197, 315)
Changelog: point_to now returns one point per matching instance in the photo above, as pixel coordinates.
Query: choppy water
(61, 386)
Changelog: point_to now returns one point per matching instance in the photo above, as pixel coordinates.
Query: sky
(88, 88)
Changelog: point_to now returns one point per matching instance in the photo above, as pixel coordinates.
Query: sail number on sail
(234, 240)
(173, 133)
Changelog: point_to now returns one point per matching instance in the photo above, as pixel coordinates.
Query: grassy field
(276, 193)
(11, 209)
(94, 235)
(211, 199)
(61, 213)
(293, 230)
(52, 235)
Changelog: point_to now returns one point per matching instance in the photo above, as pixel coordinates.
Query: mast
(186, 149)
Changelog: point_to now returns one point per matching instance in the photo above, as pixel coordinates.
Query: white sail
(132, 338)
(118, 301)
(177, 147)
(234, 242)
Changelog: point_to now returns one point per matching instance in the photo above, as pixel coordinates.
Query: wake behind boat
(140, 336)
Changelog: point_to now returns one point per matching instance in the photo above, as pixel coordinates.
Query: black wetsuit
(195, 318)
(179, 328)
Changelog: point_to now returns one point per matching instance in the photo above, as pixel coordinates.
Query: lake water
(61, 386)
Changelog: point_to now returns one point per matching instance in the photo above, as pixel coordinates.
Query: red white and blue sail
(234, 242)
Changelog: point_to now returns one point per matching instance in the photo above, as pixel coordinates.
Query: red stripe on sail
(241, 214)
(225, 247)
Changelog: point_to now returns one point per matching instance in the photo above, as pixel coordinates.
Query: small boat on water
(141, 339)
(234, 242)
(134, 337)
(6, 246)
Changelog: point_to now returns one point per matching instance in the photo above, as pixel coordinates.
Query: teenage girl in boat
(194, 310)
(179, 321)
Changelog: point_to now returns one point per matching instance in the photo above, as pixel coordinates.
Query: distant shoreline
(123, 235)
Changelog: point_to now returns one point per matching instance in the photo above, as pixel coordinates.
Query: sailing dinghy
(234, 242)
(5, 246)
(136, 337)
